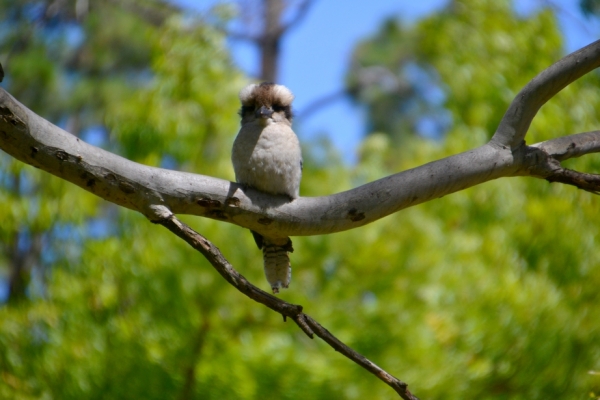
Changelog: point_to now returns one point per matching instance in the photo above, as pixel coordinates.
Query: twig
(300, 14)
(572, 146)
(280, 31)
(544, 160)
(582, 180)
(308, 325)
(400, 387)
(321, 103)
(560, 9)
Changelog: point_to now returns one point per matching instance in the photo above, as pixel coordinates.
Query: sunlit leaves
(487, 293)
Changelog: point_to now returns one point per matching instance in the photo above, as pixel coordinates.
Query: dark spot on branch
(34, 151)
(90, 183)
(8, 116)
(61, 155)
(265, 221)
(232, 202)
(208, 203)
(126, 187)
(110, 177)
(354, 215)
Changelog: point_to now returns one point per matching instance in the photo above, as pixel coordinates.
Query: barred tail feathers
(278, 268)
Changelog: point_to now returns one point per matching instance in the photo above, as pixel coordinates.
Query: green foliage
(590, 7)
(504, 303)
(186, 111)
(472, 51)
(488, 55)
(490, 293)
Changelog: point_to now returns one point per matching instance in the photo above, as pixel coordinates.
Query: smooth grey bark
(515, 123)
(37, 142)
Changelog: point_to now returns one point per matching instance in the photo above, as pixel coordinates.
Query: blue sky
(316, 52)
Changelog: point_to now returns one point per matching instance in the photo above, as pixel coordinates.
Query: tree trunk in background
(22, 260)
(269, 41)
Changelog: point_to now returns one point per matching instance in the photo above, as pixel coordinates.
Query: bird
(266, 156)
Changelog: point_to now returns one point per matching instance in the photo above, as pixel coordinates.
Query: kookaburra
(266, 156)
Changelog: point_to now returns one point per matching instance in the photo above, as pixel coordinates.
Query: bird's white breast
(268, 158)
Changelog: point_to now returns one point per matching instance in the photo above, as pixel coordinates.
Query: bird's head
(266, 103)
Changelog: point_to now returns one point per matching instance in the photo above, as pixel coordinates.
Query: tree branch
(303, 9)
(308, 325)
(321, 103)
(37, 142)
(549, 154)
(515, 123)
(300, 15)
(571, 146)
(588, 182)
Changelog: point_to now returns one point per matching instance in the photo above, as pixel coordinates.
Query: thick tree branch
(164, 217)
(515, 123)
(37, 142)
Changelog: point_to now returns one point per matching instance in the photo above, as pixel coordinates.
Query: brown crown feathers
(268, 94)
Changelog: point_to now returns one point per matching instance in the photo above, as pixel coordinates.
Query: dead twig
(582, 180)
(307, 324)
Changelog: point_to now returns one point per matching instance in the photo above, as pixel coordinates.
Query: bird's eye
(278, 108)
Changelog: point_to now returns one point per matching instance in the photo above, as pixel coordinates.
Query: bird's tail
(278, 268)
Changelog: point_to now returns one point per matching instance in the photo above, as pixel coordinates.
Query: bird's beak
(263, 112)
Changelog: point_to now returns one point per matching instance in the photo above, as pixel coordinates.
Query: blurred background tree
(264, 23)
(590, 7)
(488, 293)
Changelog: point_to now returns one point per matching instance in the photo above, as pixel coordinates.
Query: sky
(316, 52)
